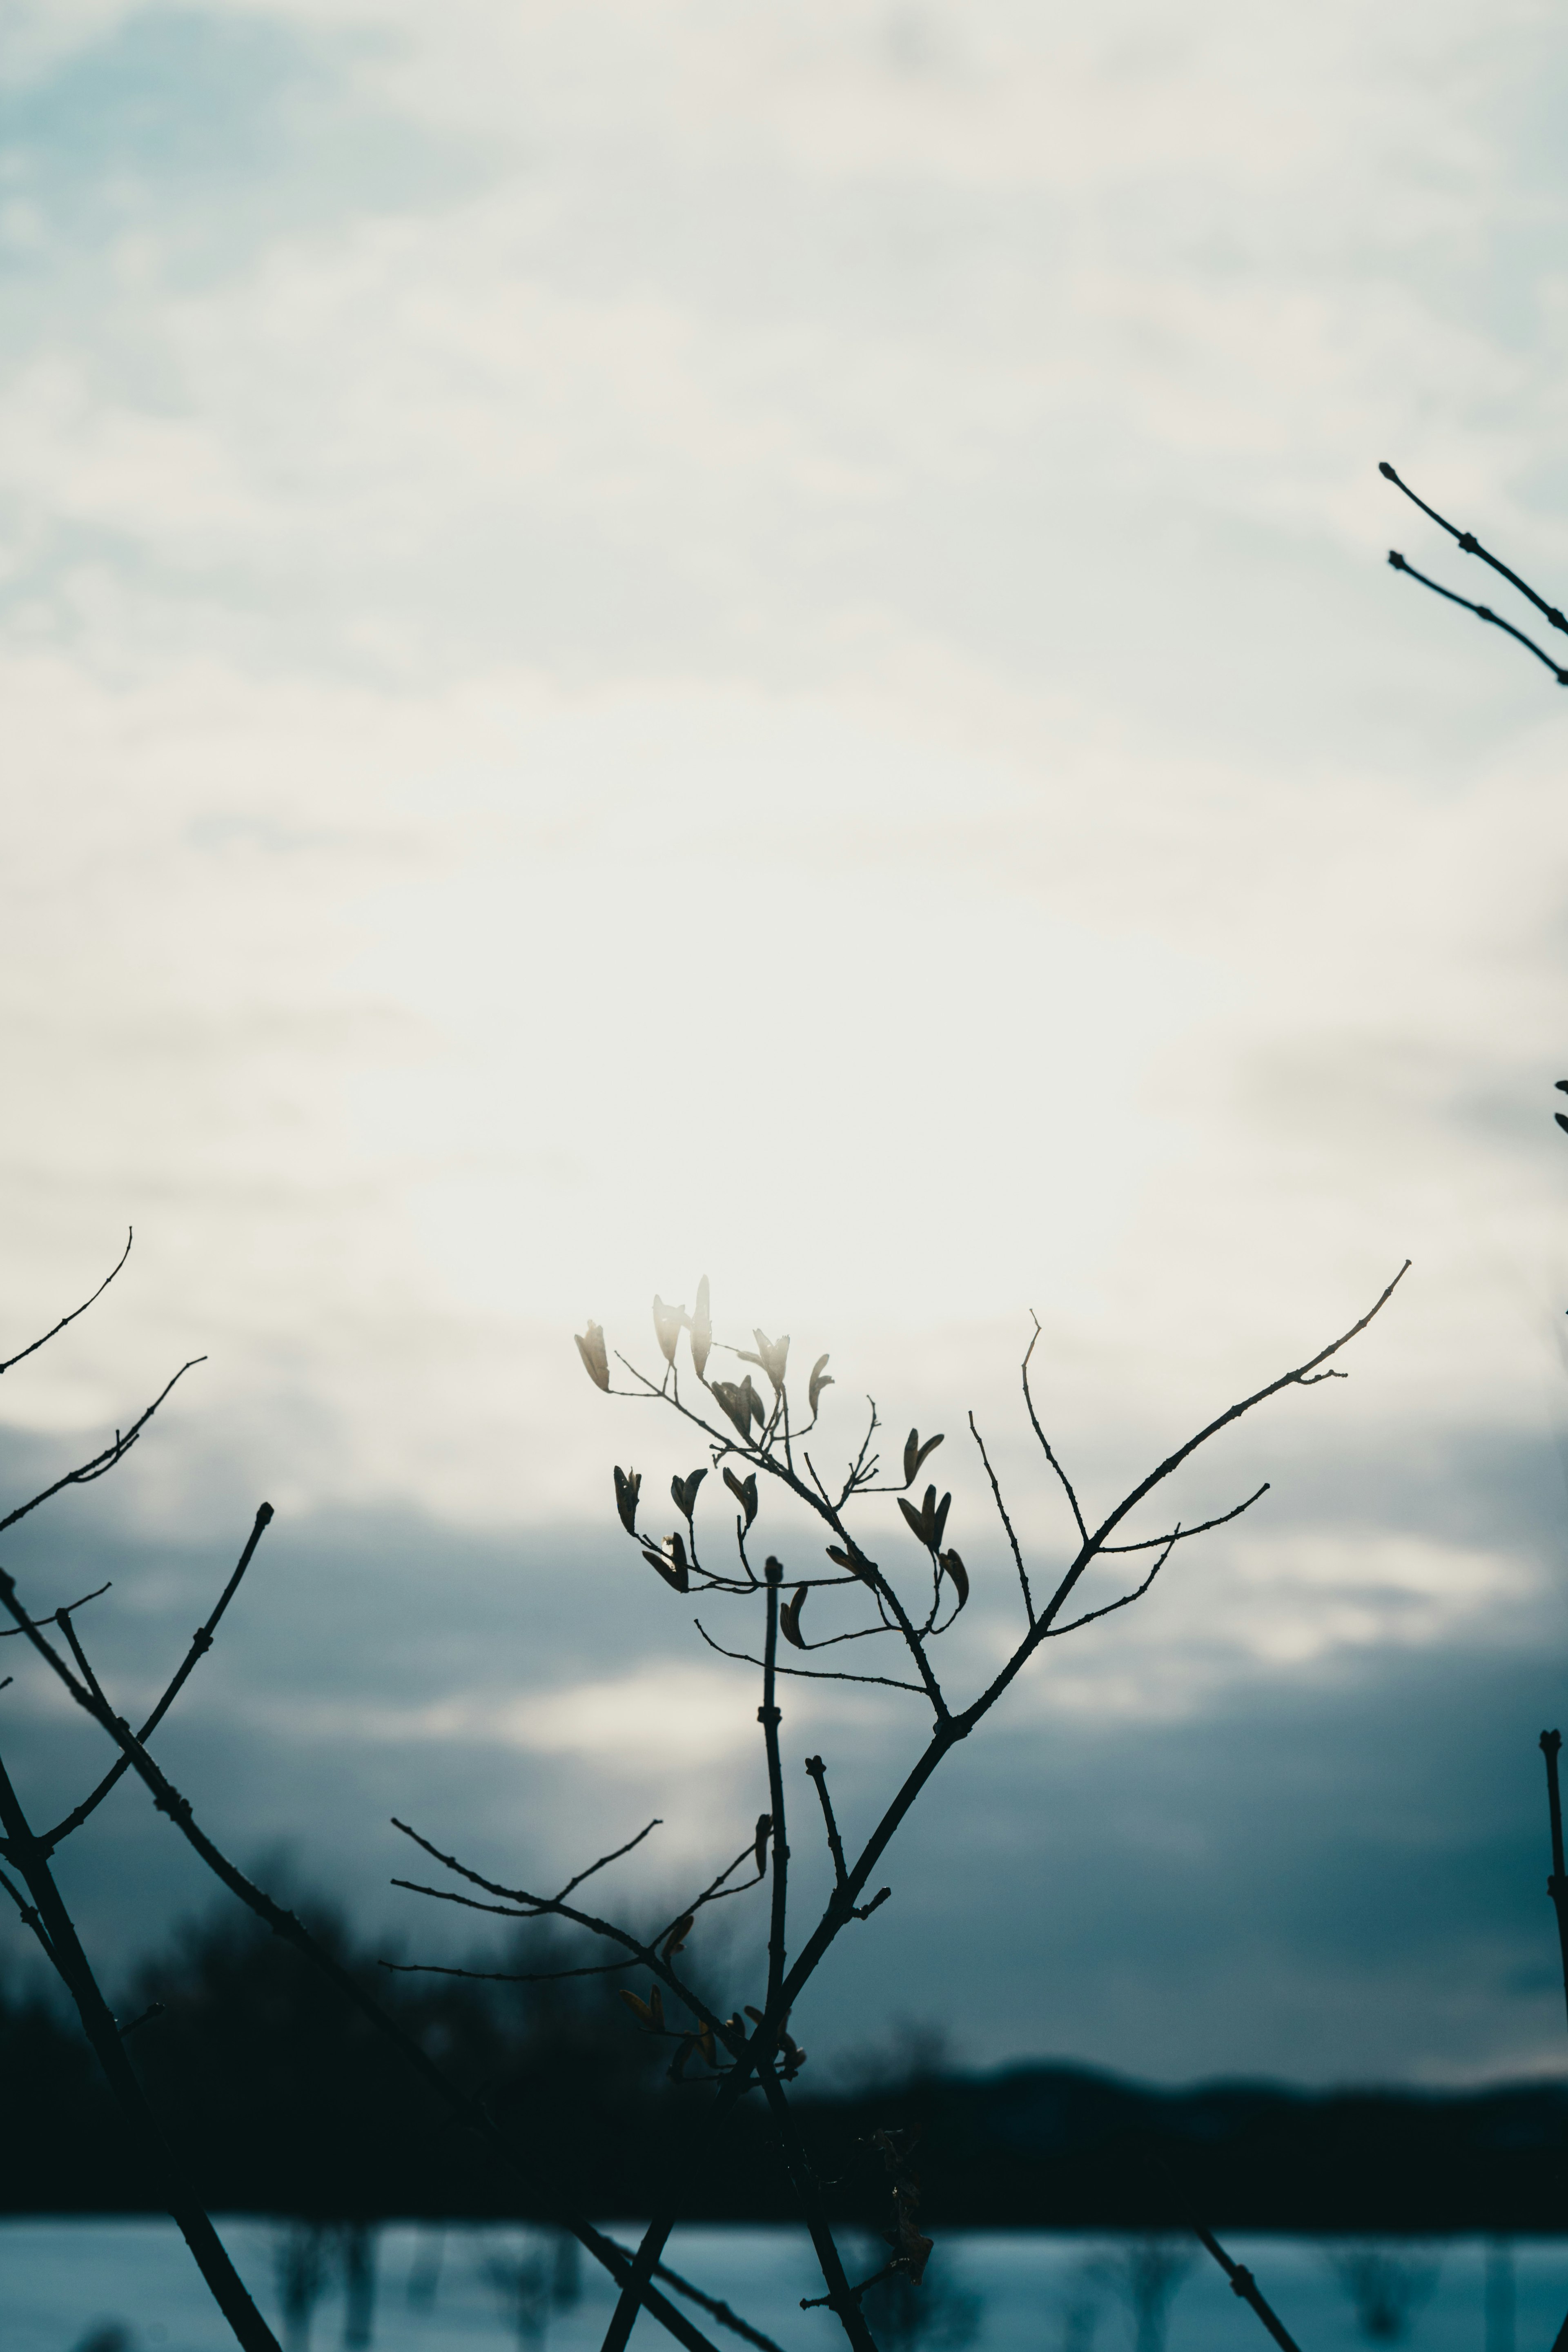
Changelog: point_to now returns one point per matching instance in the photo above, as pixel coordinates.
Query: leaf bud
(591, 1347)
(628, 1486)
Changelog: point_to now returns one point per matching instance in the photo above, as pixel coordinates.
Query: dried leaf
(789, 1617)
(655, 2009)
(591, 1347)
(676, 1939)
(737, 1402)
(744, 1490)
(674, 1570)
(939, 1522)
(953, 1567)
(754, 1403)
(915, 1454)
(641, 2006)
(765, 1831)
(705, 2043)
(772, 1355)
(1562, 1122)
(820, 1380)
(628, 1486)
(701, 1329)
(678, 2064)
(917, 1519)
(844, 1560)
(668, 1323)
(684, 1491)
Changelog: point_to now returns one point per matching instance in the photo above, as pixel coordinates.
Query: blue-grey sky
(640, 640)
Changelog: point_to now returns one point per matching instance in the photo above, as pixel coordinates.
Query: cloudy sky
(640, 640)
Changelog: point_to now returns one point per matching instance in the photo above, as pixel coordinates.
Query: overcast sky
(640, 640)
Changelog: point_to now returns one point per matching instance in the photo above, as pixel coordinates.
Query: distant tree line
(281, 2098)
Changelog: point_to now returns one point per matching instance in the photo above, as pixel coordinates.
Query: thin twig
(1045, 1441)
(1471, 545)
(23, 1352)
(1002, 1507)
(1185, 1535)
(58, 1616)
(1481, 611)
(104, 1462)
(201, 1642)
(818, 1771)
(605, 1859)
(808, 1674)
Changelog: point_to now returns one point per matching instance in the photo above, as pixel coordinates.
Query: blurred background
(649, 640)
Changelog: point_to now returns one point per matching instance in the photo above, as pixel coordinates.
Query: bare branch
(1185, 1535)
(55, 1616)
(1002, 1507)
(605, 1859)
(1481, 611)
(22, 1353)
(101, 1464)
(201, 1642)
(1045, 1441)
(1471, 545)
(1054, 1632)
(818, 1772)
(808, 1674)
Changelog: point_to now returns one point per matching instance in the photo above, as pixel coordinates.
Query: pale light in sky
(640, 641)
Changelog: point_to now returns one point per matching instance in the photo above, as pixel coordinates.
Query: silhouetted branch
(22, 1353)
(714, 2308)
(1045, 1441)
(60, 1941)
(1481, 611)
(1006, 1522)
(103, 1461)
(1185, 1535)
(1056, 1633)
(818, 1772)
(201, 1642)
(1472, 546)
(808, 1674)
(58, 1616)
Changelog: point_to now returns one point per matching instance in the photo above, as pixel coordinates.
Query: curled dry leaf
(684, 1492)
(765, 1831)
(671, 1564)
(953, 1567)
(820, 1380)
(789, 1617)
(591, 1347)
(744, 1490)
(668, 1323)
(628, 1486)
(928, 1522)
(640, 2007)
(844, 1560)
(772, 1355)
(915, 1454)
(701, 1330)
(741, 1402)
(676, 1939)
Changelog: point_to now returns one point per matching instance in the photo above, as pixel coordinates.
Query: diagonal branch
(1481, 611)
(1045, 1441)
(201, 1642)
(1471, 545)
(1184, 1535)
(22, 1353)
(1002, 1507)
(104, 1462)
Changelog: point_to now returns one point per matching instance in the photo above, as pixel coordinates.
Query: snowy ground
(70, 2284)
